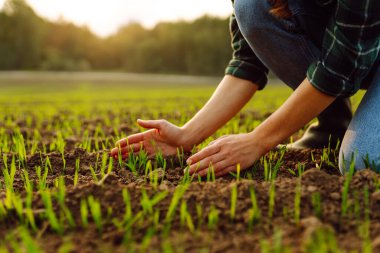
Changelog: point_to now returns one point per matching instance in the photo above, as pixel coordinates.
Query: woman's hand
(224, 154)
(162, 136)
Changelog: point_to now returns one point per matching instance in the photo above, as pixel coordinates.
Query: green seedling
(234, 195)
(345, 205)
(63, 161)
(185, 217)
(180, 156)
(36, 140)
(27, 183)
(297, 203)
(66, 246)
(19, 143)
(42, 185)
(49, 212)
(29, 211)
(210, 173)
(8, 198)
(273, 245)
(86, 141)
(213, 218)
(161, 161)
(77, 166)
(291, 171)
(104, 164)
(60, 147)
(84, 213)
(4, 146)
(27, 241)
(17, 204)
(316, 204)
(270, 170)
(168, 248)
(178, 194)
(148, 204)
(153, 178)
(300, 169)
(128, 205)
(272, 199)
(60, 195)
(148, 169)
(48, 164)
(322, 240)
(186, 179)
(97, 161)
(277, 238)
(9, 175)
(254, 212)
(110, 166)
(131, 162)
(238, 172)
(96, 212)
(368, 163)
(127, 227)
(142, 158)
(93, 174)
(147, 239)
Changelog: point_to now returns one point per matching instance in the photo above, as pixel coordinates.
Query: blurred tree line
(29, 42)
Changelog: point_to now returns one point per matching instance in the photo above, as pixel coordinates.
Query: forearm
(228, 99)
(302, 106)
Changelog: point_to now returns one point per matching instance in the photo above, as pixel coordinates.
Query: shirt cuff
(329, 83)
(247, 71)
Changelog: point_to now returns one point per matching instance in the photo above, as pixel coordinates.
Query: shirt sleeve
(350, 48)
(244, 63)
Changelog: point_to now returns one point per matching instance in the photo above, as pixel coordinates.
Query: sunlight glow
(104, 17)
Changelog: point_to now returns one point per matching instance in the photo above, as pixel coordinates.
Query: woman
(324, 49)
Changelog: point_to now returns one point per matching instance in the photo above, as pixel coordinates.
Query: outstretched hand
(224, 154)
(162, 136)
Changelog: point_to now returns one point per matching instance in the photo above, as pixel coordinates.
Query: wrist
(261, 142)
(187, 138)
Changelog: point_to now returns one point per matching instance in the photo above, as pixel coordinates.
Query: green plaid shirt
(244, 63)
(350, 48)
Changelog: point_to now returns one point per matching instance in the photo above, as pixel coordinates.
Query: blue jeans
(288, 47)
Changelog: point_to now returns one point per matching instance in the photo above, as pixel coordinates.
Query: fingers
(202, 166)
(149, 124)
(225, 171)
(220, 138)
(134, 138)
(212, 168)
(136, 147)
(206, 152)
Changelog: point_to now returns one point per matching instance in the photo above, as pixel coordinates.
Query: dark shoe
(330, 129)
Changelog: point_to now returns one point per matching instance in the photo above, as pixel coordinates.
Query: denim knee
(251, 16)
(276, 42)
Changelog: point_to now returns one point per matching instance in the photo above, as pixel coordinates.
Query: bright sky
(105, 16)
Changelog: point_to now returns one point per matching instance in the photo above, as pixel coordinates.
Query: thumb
(149, 124)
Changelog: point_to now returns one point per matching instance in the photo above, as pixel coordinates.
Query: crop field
(60, 191)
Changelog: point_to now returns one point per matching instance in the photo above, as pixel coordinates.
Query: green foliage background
(29, 42)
